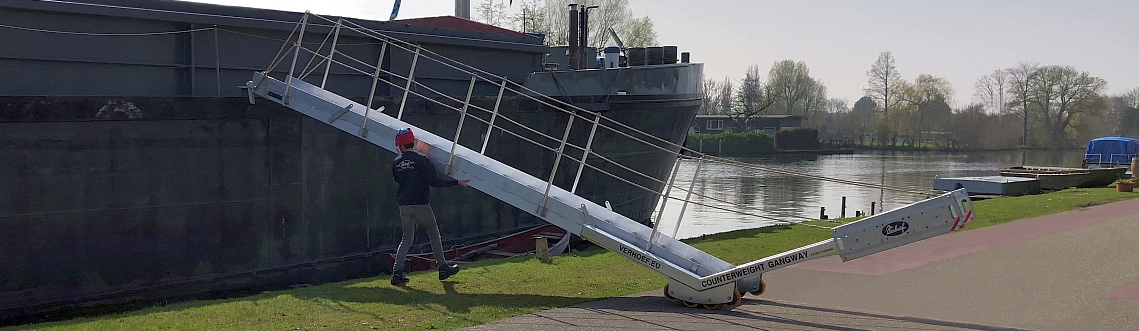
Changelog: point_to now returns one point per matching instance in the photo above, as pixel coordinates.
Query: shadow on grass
(454, 301)
(739, 234)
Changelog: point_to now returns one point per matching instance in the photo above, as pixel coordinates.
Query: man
(415, 176)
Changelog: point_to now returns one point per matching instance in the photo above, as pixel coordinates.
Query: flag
(395, 10)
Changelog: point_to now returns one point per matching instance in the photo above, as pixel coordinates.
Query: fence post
(842, 212)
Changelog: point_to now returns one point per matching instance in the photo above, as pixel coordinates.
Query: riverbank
(491, 290)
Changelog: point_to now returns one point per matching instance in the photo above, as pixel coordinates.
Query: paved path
(1077, 270)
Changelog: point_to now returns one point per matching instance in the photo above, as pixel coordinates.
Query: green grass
(492, 290)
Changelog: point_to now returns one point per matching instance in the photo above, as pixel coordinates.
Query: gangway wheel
(762, 288)
(737, 300)
(689, 304)
(669, 297)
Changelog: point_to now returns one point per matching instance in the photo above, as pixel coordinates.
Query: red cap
(404, 137)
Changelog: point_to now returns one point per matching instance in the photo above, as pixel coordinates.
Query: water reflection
(770, 194)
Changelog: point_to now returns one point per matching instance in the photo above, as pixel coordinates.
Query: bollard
(872, 208)
(822, 213)
(842, 212)
(542, 249)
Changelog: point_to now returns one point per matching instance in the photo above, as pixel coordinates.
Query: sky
(959, 40)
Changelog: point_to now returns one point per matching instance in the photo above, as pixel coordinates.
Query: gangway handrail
(577, 177)
(699, 277)
(476, 71)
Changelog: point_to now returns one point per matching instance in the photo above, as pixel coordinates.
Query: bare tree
(835, 114)
(751, 98)
(709, 92)
(1129, 99)
(1021, 82)
(993, 90)
(530, 17)
(616, 14)
(492, 12)
(882, 84)
(726, 97)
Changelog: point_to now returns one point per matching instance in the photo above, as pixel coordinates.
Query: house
(766, 123)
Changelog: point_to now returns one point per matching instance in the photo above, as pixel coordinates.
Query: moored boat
(1055, 178)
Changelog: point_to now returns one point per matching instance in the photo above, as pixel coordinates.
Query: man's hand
(463, 182)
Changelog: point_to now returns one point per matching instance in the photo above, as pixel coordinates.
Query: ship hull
(110, 199)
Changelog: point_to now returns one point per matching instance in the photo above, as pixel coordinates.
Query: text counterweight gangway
(695, 277)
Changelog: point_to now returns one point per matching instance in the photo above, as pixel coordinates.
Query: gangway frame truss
(695, 277)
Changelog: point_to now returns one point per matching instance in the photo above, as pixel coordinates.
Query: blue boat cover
(1112, 150)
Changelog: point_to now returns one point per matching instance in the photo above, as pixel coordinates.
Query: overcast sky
(839, 40)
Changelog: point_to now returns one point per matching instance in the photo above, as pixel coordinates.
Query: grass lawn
(492, 290)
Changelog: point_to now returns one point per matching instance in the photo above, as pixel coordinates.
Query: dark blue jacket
(415, 176)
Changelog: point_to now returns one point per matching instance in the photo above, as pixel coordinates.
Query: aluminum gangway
(695, 277)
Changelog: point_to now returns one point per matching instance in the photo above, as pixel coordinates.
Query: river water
(770, 197)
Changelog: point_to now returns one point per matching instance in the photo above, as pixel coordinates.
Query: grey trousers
(409, 217)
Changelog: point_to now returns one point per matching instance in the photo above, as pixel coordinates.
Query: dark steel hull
(133, 169)
(118, 199)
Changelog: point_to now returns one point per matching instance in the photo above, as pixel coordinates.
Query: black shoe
(398, 279)
(448, 270)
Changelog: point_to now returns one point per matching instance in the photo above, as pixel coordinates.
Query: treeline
(1027, 105)
(551, 18)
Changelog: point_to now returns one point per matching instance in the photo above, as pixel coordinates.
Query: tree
(551, 17)
(795, 92)
(640, 33)
(993, 89)
(726, 97)
(1125, 114)
(928, 104)
(751, 98)
(883, 82)
(530, 18)
(492, 12)
(835, 124)
(1021, 83)
(861, 117)
(1060, 93)
(709, 92)
(1128, 123)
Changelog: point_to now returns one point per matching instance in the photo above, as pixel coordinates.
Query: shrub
(732, 143)
(797, 139)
